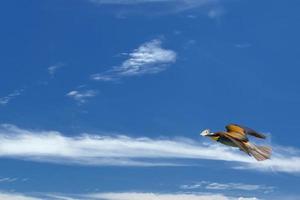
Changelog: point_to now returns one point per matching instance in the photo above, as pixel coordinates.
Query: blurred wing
(235, 128)
(236, 132)
(238, 143)
(244, 130)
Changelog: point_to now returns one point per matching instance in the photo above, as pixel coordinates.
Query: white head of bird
(206, 132)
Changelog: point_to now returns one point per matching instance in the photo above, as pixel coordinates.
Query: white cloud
(130, 1)
(166, 5)
(82, 96)
(228, 186)
(157, 196)
(233, 186)
(122, 196)
(103, 77)
(138, 1)
(5, 100)
(53, 68)
(149, 58)
(52, 146)
(8, 179)
(14, 196)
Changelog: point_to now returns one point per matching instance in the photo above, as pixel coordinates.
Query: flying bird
(236, 136)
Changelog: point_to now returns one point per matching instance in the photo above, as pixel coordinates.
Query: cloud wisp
(6, 99)
(161, 196)
(86, 149)
(228, 186)
(121, 196)
(163, 6)
(149, 58)
(53, 68)
(7, 180)
(81, 96)
(15, 196)
(131, 2)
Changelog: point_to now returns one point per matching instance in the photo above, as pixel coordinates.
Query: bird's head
(206, 132)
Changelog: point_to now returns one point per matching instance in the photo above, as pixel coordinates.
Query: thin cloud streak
(157, 196)
(8, 179)
(52, 146)
(140, 1)
(15, 196)
(167, 6)
(81, 96)
(5, 100)
(149, 58)
(121, 196)
(53, 68)
(228, 186)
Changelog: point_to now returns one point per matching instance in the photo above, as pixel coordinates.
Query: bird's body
(236, 136)
(225, 141)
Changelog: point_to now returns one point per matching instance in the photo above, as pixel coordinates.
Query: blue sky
(105, 99)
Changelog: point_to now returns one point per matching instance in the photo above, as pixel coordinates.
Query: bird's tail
(260, 153)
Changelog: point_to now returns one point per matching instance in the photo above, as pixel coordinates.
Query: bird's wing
(236, 132)
(244, 130)
(238, 143)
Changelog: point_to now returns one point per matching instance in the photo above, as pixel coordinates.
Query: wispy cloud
(160, 196)
(123, 196)
(8, 179)
(6, 99)
(165, 5)
(82, 96)
(16, 196)
(52, 146)
(228, 186)
(53, 68)
(243, 45)
(143, 1)
(11, 179)
(149, 58)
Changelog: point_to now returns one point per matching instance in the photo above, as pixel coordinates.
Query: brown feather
(239, 143)
(260, 153)
(238, 136)
(235, 128)
(244, 130)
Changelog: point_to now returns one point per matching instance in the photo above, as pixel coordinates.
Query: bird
(236, 136)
